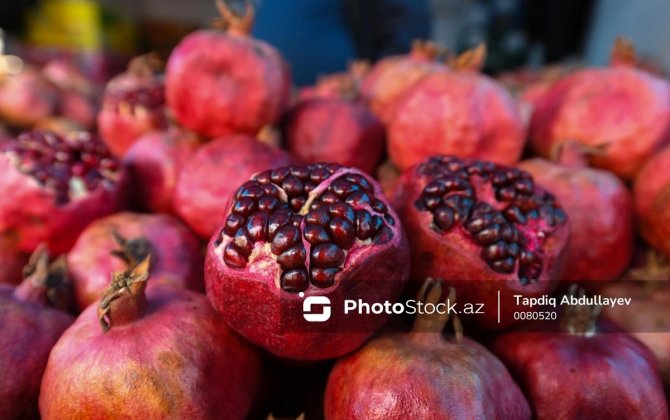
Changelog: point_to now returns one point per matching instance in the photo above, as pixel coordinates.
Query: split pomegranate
(111, 244)
(209, 179)
(623, 108)
(53, 187)
(154, 162)
(423, 375)
(305, 231)
(482, 227)
(159, 353)
(12, 260)
(580, 368)
(391, 77)
(652, 201)
(600, 209)
(220, 83)
(29, 328)
(336, 130)
(133, 104)
(460, 112)
(345, 85)
(78, 96)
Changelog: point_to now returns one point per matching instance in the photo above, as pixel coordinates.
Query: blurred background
(321, 36)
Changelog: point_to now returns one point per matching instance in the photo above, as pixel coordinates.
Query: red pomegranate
(390, 78)
(336, 130)
(113, 243)
(78, 96)
(133, 104)
(221, 83)
(580, 368)
(344, 85)
(160, 353)
(652, 201)
(484, 228)
(423, 375)
(53, 187)
(321, 232)
(209, 179)
(459, 112)
(388, 176)
(621, 108)
(600, 209)
(26, 97)
(12, 260)
(154, 162)
(29, 328)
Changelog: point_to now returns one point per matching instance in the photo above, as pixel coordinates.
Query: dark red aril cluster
(149, 97)
(497, 225)
(310, 224)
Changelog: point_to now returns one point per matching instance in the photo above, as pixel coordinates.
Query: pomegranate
(600, 209)
(220, 83)
(157, 353)
(321, 230)
(12, 260)
(483, 226)
(110, 244)
(208, 179)
(622, 108)
(133, 104)
(391, 77)
(154, 162)
(79, 97)
(29, 328)
(336, 130)
(26, 97)
(581, 368)
(652, 201)
(388, 176)
(53, 187)
(424, 375)
(460, 112)
(345, 85)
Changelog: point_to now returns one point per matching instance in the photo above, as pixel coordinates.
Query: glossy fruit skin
(211, 176)
(621, 107)
(652, 201)
(179, 360)
(337, 131)
(154, 163)
(606, 375)
(175, 252)
(218, 84)
(26, 97)
(600, 209)
(457, 113)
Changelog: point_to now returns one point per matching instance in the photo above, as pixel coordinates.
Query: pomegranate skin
(26, 97)
(600, 209)
(175, 254)
(459, 113)
(626, 109)
(12, 261)
(37, 214)
(210, 177)
(335, 130)
(154, 162)
(78, 96)
(652, 201)
(298, 255)
(179, 360)
(566, 376)
(344, 85)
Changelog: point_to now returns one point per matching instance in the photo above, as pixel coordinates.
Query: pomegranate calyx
(132, 251)
(656, 269)
(431, 293)
(125, 301)
(233, 22)
(425, 50)
(45, 281)
(472, 60)
(146, 65)
(580, 319)
(623, 53)
(573, 153)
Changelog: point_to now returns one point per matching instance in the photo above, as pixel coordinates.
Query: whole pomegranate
(580, 368)
(29, 328)
(391, 77)
(220, 83)
(53, 187)
(336, 130)
(159, 353)
(316, 231)
(26, 97)
(483, 228)
(154, 162)
(113, 243)
(423, 375)
(652, 201)
(78, 96)
(344, 85)
(622, 108)
(209, 179)
(600, 209)
(133, 104)
(12, 260)
(459, 112)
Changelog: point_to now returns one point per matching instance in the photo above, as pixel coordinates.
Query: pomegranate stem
(431, 293)
(233, 22)
(580, 319)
